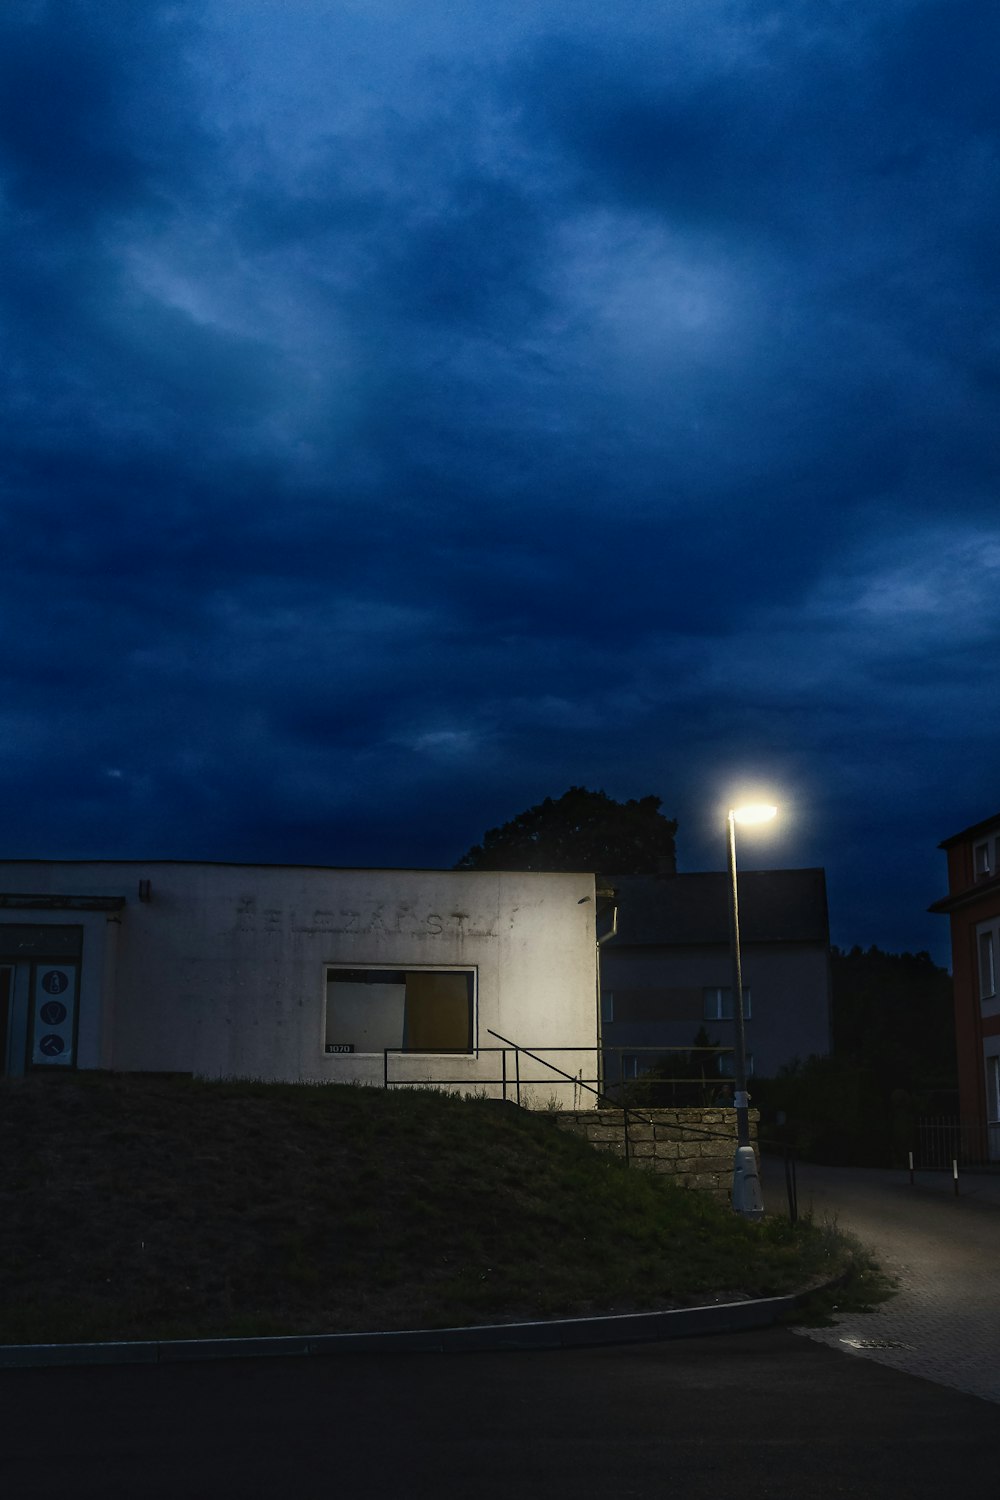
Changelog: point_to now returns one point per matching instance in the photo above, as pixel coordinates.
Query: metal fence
(943, 1139)
(650, 1077)
(669, 1077)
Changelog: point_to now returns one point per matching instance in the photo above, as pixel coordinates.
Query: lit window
(419, 1010)
(987, 963)
(718, 1004)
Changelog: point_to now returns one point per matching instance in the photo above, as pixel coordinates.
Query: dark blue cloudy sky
(414, 409)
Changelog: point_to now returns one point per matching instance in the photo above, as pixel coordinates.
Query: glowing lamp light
(754, 812)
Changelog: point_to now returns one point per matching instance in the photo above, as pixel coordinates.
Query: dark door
(6, 995)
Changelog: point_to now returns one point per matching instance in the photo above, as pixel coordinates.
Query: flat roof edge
(263, 864)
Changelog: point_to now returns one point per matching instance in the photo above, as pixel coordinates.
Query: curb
(560, 1333)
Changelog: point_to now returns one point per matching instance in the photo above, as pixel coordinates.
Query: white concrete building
(299, 973)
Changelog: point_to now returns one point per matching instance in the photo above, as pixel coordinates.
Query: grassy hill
(169, 1208)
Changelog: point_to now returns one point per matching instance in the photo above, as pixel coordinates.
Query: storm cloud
(413, 411)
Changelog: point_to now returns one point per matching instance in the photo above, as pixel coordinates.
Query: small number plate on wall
(340, 1046)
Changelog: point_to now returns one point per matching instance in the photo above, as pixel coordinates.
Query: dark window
(726, 1064)
(718, 1004)
(53, 940)
(987, 964)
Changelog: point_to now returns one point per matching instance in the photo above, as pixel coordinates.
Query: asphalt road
(762, 1414)
(944, 1254)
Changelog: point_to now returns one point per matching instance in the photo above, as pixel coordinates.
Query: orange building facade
(972, 906)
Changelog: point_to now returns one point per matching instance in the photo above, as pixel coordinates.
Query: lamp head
(753, 812)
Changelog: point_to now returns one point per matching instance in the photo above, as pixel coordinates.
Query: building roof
(263, 864)
(985, 825)
(970, 896)
(980, 885)
(776, 906)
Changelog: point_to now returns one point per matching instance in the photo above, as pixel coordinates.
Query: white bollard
(748, 1199)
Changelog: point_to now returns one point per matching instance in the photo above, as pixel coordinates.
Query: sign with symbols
(54, 1018)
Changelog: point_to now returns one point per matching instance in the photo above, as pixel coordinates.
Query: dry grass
(168, 1208)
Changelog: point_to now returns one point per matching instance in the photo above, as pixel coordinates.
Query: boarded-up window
(419, 1010)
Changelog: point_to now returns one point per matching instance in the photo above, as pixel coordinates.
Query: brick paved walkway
(944, 1322)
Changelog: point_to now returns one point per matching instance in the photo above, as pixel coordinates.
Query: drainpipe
(603, 938)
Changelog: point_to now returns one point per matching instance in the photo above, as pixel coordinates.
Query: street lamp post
(747, 1197)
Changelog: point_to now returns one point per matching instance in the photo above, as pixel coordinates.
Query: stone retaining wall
(695, 1147)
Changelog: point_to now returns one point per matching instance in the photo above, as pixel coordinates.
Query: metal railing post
(791, 1185)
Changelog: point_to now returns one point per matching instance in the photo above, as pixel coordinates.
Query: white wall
(223, 971)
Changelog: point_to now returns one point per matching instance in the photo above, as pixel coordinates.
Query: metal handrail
(629, 1112)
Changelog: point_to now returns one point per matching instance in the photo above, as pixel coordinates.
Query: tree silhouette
(581, 830)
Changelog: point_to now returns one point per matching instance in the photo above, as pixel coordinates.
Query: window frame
(992, 1089)
(987, 943)
(725, 1064)
(986, 857)
(720, 991)
(470, 971)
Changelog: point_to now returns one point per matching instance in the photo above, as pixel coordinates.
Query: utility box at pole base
(747, 1197)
